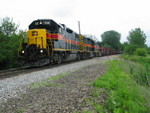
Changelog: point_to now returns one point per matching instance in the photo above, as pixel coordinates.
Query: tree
(112, 39)
(9, 43)
(7, 26)
(137, 37)
(123, 45)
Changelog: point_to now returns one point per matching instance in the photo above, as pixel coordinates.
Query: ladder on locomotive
(82, 48)
(50, 47)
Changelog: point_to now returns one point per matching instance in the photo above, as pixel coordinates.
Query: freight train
(49, 42)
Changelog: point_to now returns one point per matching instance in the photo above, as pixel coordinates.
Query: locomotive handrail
(41, 40)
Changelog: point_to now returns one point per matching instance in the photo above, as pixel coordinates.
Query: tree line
(135, 44)
(11, 36)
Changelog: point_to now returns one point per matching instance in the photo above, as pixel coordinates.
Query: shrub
(148, 50)
(140, 52)
(129, 49)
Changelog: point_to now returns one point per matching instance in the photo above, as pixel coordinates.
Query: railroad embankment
(14, 90)
(96, 86)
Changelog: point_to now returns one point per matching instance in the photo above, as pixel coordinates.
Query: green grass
(21, 110)
(139, 59)
(48, 82)
(45, 83)
(124, 94)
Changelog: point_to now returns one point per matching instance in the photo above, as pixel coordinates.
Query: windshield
(49, 25)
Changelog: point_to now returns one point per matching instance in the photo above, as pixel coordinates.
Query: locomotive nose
(32, 52)
(37, 37)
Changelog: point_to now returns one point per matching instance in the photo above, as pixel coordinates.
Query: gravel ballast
(64, 95)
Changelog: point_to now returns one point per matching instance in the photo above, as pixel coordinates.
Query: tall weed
(139, 69)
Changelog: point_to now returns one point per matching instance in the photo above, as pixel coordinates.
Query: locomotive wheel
(58, 59)
(63, 58)
(78, 57)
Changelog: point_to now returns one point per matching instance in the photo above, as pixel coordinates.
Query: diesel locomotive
(49, 42)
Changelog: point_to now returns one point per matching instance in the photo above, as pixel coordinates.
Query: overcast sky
(95, 16)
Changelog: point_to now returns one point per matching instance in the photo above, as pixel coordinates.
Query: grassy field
(128, 86)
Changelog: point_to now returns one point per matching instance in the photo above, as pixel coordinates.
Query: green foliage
(123, 45)
(112, 39)
(129, 49)
(137, 37)
(98, 108)
(140, 52)
(107, 46)
(9, 43)
(137, 59)
(140, 70)
(132, 49)
(148, 50)
(7, 27)
(124, 95)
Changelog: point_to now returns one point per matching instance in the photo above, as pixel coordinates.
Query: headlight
(22, 51)
(41, 23)
(41, 51)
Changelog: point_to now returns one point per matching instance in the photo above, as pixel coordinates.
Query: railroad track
(16, 71)
(12, 71)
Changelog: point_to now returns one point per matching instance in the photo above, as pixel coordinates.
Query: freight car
(49, 42)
